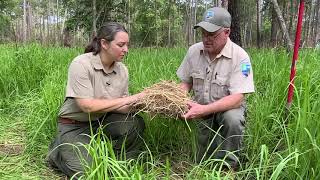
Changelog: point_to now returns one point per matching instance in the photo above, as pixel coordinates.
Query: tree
(316, 29)
(169, 22)
(149, 22)
(82, 17)
(274, 26)
(311, 21)
(282, 25)
(94, 18)
(259, 22)
(6, 7)
(233, 8)
(224, 3)
(24, 36)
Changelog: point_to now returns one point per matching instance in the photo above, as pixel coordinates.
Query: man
(219, 73)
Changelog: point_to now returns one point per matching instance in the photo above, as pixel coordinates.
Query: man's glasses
(213, 35)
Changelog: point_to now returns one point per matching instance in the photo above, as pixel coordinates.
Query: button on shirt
(229, 73)
(87, 78)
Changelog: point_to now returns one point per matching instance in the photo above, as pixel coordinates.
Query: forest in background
(154, 23)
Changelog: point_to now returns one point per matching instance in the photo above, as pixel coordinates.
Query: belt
(70, 121)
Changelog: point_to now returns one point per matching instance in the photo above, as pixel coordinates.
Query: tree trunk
(169, 24)
(66, 38)
(37, 24)
(250, 33)
(224, 4)
(29, 21)
(316, 34)
(43, 33)
(259, 5)
(282, 25)
(314, 24)
(311, 17)
(173, 29)
(94, 23)
(24, 26)
(191, 30)
(187, 22)
(292, 17)
(40, 28)
(129, 17)
(233, 8)
(194, 5)
(157, 31)
(283, 4)
(63, 21)
(14, 30)
(244, 35)
(274, 28)
(57, 32)
(48, 37)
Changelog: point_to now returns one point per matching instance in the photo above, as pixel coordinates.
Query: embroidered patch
(245, 68)
(209, 15)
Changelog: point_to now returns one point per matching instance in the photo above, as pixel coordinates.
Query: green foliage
(6, 7)
(81, 13)
(148, 21)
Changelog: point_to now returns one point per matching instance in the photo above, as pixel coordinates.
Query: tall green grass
(278, 144)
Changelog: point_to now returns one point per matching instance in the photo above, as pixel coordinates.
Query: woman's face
(117, 48)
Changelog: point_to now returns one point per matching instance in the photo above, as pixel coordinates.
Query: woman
(97, 91)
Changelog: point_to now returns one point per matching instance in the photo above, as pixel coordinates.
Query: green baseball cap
(215, 19)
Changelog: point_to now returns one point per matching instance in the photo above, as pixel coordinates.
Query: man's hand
(196, 111)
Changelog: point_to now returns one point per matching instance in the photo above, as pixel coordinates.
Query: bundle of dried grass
(166, 98)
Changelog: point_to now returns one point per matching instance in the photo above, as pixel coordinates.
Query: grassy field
(278, 144)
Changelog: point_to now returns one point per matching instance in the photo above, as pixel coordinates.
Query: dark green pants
(220, 136)
(120, 128)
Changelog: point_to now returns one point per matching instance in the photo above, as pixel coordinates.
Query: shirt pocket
(219, 87)
(197, 85)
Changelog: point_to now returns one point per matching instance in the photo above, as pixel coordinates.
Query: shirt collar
(97, 64)
(227, 50)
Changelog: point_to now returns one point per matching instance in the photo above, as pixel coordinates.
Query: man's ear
(104, 44)
(227, 31)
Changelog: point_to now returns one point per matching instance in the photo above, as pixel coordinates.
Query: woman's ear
(104, 44)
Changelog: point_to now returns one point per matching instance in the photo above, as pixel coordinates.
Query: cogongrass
(279, 144)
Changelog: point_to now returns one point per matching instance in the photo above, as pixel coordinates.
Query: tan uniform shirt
(88, 79)
(229, 73)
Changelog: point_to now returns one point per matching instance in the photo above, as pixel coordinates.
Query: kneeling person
(97, 90)
(219, 73)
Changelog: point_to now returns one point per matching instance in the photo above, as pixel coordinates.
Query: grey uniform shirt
(229, 73)
(88, 79)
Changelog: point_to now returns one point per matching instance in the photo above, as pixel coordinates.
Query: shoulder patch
(245, 67)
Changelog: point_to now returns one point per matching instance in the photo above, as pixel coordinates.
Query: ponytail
(93, 47)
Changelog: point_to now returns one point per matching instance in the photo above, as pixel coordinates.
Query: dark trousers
(121, 129)
(220, 136)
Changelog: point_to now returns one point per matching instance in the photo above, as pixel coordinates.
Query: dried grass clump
(166, 98)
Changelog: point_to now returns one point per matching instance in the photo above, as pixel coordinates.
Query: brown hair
(107, 31)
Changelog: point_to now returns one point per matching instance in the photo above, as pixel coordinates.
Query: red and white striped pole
(295, 54)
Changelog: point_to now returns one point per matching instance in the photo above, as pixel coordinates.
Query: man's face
(214, 41)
